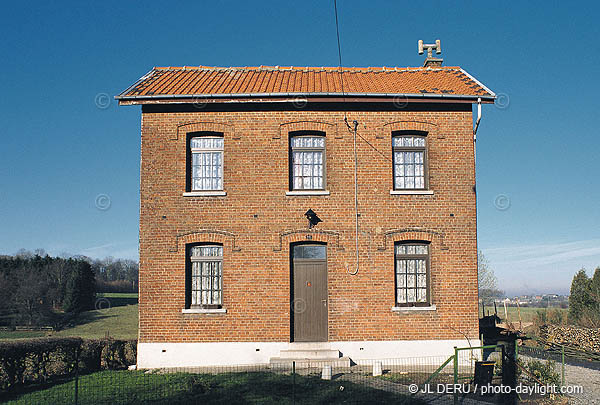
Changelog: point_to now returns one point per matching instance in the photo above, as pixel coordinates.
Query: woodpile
(577, 342)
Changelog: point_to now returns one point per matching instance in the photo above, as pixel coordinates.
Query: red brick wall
(256, 273)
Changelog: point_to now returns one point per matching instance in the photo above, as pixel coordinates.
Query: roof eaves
(310, 94)
(483, 86)
(135, 84)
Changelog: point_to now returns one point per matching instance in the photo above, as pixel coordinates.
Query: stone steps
(310, 354)
(315, 354)
(286, 363)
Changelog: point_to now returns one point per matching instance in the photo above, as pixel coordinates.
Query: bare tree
(486, 279)
(30, 295)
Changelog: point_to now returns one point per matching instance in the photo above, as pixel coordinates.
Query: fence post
(509, 374)
(77, 376)
(455, 375)
(562, 353)
(482, 350)
(294, 382)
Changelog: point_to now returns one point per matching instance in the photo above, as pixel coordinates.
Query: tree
(115, 275)
(595, 289)
(580, 298)
(80, 289)
(29, 296)
(131, 270)
(486, 279)
(36, 288)
(590, 316)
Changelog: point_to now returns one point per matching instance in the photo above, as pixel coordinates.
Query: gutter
(475, 129)
(234, 95)
(490, 98)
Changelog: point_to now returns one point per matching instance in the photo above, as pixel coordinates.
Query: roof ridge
(309, 68)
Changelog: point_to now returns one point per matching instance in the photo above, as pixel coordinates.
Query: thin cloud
(538, 268)
(544, 254)
(117, 250)
(96, 248)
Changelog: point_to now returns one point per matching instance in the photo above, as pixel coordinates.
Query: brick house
(231, 269)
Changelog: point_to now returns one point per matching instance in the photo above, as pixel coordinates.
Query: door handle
(324, 302)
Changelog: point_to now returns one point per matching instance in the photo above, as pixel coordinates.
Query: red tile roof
(269, 81)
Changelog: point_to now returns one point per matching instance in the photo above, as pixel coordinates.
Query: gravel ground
(588, 379)
(431, 399)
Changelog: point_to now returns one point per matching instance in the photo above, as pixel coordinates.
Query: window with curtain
(409, 162)
(412, 274)
(207, 276)
(206, 163)
(307, 162)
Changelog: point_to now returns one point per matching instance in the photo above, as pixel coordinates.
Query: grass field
(21, 334)
(118, 295)
(127, 387)
(117, 316)
(527, 313)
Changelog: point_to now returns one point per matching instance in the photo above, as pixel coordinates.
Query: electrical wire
(340, 69)
(354, 131)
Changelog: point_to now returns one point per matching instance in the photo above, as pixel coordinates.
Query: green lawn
(118, 295)
(527, 313)
(132, 387)
(118, 317)
(21, 334)
(118, 322)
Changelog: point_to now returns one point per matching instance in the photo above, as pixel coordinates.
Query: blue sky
(63, 148)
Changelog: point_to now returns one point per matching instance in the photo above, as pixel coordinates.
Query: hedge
(39, 360)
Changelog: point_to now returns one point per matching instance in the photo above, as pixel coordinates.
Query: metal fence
(538, 361)
(406, 380)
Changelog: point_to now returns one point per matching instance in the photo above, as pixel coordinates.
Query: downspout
(355, 272)
(474, 185)
(475, 129)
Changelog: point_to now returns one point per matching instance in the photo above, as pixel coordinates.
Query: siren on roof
(430, 61)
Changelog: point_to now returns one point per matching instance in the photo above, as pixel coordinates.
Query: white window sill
(307, 192)
(205, 193)
(411, 192)
(204, 311)
(414, 309)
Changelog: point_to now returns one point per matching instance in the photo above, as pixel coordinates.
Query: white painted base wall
(157, 355)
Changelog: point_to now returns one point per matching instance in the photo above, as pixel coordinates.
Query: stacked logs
(578, 342)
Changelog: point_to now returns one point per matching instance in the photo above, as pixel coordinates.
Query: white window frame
(305, 190)
(195, 302)
(199, 151)
(410, 149)
(406, 257)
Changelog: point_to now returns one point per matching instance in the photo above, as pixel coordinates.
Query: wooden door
(309, 300)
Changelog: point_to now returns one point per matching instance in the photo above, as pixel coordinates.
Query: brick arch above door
(284, 238)
(227, 239)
